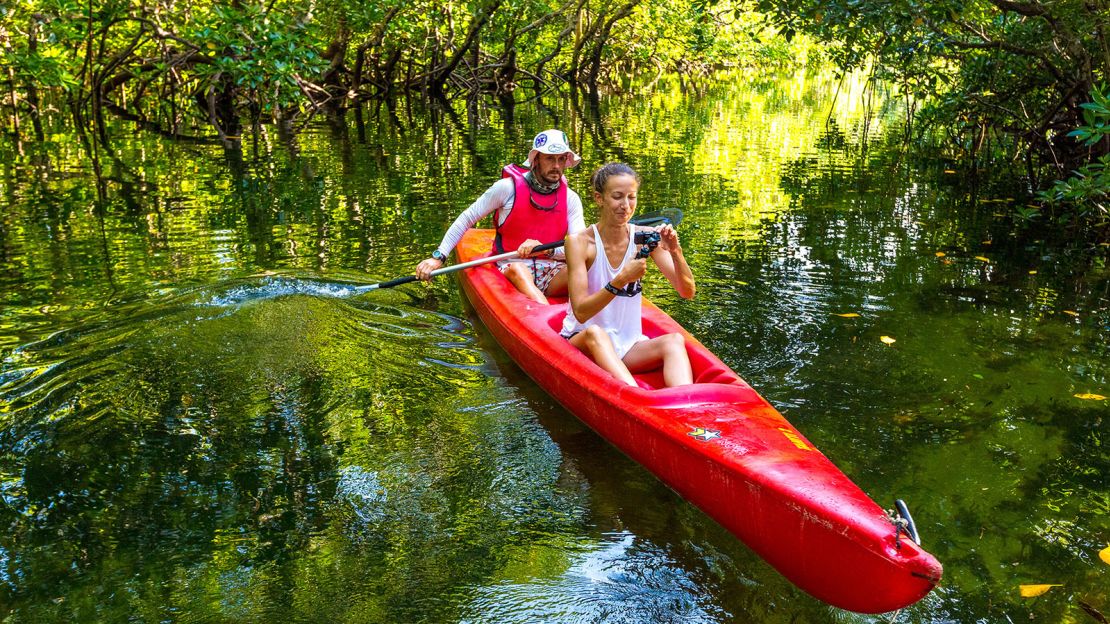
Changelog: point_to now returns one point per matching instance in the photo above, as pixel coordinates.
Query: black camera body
(648, 240)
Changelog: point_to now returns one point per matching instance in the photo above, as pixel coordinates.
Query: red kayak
(719, 445)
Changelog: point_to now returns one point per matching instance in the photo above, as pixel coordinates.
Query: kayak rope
(903, 522)
(900, 525)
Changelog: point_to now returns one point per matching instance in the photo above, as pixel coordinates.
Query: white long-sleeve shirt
(501, 196)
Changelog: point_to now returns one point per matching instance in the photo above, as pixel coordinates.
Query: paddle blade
(672, 216)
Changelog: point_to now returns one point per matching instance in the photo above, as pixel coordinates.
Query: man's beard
(539, 186)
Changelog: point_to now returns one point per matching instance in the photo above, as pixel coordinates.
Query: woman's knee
(674, 342)
(596, 337)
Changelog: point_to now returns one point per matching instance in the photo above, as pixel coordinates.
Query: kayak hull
(721, 446)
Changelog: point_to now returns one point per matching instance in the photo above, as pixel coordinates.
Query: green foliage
(1087, 191)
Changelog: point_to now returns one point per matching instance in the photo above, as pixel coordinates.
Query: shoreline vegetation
(989, 83)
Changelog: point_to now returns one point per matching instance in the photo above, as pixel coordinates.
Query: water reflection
(201, 420)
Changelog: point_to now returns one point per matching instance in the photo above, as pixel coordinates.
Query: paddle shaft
(648, 219)
(458, 267)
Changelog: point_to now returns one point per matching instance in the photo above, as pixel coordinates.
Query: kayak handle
(903, 522)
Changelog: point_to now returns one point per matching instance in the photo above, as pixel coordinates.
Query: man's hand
(525, 249)
(425, 268)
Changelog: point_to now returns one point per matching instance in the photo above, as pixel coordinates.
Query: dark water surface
(198, 423)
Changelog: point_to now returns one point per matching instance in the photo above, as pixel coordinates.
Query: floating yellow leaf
(1091, 397)
(1033, 272)
(950, 171)
(1032, 591)
(887, 340)
(983, 258)
(1104, 554)
(741, 283)
(941, 254)
(1071, 312)
(987, 242)
(848, 315)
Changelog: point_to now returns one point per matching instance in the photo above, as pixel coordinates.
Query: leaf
(1071, 312)
(887, 340)
(1104, 554)
(1032, 591)
(941, 254)
(1033, 272)
(1087, 396)
(848, 315)
(950, 171)
(983, 258)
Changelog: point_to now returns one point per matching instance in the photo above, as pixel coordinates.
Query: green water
(198, 424)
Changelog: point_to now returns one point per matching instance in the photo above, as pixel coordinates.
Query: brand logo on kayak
(704, 435)
(793, 437)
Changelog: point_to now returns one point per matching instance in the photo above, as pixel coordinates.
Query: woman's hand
(668, 237)
(633, 270)
(525, 249)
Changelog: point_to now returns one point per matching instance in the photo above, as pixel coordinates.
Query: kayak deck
(720, 445)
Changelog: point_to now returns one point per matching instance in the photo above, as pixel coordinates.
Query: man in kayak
(605, 265)
(534, 206)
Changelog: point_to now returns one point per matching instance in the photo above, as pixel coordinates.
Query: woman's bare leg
(669, 349)
(594, 342)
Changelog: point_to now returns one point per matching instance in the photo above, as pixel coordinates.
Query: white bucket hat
(552, 142)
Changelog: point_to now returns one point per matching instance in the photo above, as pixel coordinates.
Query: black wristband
(613, 289)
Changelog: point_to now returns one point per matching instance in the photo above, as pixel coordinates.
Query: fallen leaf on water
(983, 258)
(1032, 591)
(848, 315)
(941, 254)
(1071, 312)
(1032, 272)
(950, 171)
(887, 340)
(1087, 396)
(1104, 554)
(986, 242)
(742, 283)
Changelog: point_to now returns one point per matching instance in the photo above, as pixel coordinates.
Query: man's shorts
(543, 270)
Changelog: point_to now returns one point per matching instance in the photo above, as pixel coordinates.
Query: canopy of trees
(986, 69)
(167, 63)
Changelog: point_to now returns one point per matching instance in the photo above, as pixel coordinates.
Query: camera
(647, 240)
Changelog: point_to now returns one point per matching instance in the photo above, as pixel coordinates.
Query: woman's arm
(672, 264)
(583, 304)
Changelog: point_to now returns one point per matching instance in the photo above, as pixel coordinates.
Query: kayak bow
(721, 446)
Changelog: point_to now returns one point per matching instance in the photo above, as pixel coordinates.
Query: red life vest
(542, 217)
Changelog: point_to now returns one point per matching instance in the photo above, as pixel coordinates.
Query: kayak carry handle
(902, 520)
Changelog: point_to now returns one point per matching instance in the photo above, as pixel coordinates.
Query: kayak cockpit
(706, 367)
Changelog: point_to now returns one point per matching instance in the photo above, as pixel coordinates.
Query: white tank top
(621, 318)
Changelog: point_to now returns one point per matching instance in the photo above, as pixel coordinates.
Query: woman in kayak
(604, 271)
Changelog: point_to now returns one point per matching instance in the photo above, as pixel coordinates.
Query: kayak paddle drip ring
(903, 523)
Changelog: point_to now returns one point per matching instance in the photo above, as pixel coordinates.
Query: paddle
(672, 216)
